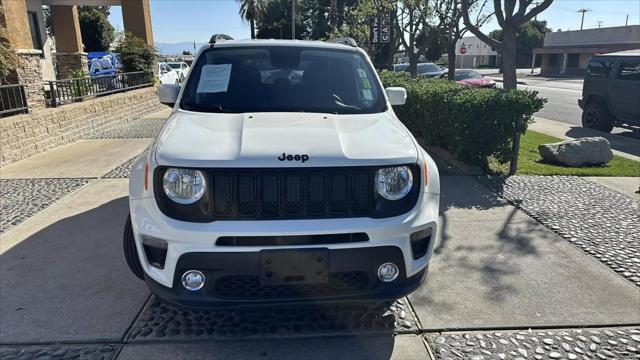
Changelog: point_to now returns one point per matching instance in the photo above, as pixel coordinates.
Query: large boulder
(578, 152)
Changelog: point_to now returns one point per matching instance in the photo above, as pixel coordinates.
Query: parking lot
(531, 267)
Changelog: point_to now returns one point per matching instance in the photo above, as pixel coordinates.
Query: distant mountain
(176, 48)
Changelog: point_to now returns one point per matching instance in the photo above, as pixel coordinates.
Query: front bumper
(234, 278)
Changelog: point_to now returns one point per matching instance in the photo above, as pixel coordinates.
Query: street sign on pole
(463, 50)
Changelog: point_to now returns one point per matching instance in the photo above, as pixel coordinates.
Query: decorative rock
(555, 355)
(566, 344)
(578, 152)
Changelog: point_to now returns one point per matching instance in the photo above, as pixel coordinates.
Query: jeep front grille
(288, 193)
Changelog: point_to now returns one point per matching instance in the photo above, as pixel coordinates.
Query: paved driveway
(66, 291)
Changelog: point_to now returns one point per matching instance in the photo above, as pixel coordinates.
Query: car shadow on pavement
(70, 282)
(626, 142)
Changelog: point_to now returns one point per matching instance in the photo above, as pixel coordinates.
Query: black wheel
(596, 116)
(130, 251)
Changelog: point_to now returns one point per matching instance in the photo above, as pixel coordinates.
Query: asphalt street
(562, 100)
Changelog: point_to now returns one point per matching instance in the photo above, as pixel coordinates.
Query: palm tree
(250, 10)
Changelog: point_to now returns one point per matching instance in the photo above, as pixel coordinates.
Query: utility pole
(583, 11)
(535, 3)
(626, 22)
(599, 24)
(293, 19)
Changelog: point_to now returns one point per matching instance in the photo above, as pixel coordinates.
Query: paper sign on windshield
(214, 78)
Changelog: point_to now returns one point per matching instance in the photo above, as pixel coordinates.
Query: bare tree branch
(497, 7)
(475, 30)
(536, 11)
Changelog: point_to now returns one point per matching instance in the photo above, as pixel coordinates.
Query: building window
(34, 26)
(629, 71)
(553, 60)
(573, 61)
(599, 68)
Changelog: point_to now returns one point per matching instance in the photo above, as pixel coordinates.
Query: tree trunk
(509, 77)
(413, 65)
(451, 59)
(333, 12)
(253, 28)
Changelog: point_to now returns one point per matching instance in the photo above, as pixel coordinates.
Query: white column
(565, 61)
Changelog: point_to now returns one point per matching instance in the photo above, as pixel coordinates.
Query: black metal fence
(13, 100)
(72, 90)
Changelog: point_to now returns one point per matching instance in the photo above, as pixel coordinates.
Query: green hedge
(473, 124)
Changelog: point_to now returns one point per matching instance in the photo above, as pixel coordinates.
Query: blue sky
(195, 20)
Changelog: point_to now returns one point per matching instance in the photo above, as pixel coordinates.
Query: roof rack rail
(344, 41)
(219, 37)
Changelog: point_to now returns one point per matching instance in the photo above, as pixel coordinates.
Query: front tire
(596, 116)
(130, 251)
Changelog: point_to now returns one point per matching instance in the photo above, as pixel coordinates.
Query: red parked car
(473, 78)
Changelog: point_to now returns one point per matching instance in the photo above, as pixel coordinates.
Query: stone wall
(29, 74)
(67, 63)
(25, 135)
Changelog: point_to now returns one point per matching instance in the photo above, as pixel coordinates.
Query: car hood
(192, 139)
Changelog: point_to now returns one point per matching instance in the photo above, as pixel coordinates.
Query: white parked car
(167, 75)
(181, 68)
(263, 188)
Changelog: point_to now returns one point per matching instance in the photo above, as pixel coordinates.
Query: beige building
(24, 20)
(472, 53)
(569, 52)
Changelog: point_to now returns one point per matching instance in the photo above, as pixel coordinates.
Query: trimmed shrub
(473, 124)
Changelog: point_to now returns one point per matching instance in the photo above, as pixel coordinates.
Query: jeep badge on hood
(296, 157)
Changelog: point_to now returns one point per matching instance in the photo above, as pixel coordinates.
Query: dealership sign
(381, 29)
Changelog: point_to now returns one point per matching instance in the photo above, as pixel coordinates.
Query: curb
(500, 80)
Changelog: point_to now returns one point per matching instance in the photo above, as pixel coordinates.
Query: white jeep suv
(282, 175)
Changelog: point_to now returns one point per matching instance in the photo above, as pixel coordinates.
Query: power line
(583, 11)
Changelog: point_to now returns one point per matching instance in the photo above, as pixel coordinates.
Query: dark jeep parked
(611, 91)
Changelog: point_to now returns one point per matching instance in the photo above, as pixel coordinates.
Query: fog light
(388, 272)
(193, 280)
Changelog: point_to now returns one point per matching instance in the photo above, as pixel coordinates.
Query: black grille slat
(291, 240)
(246, 194)
(338, 196)
(360, 192)
(316, 193)
(223, 194)
(293, 194)
(270, 194)
(341, 283)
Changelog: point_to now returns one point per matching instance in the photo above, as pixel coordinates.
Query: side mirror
(168, 94)
(396, 95)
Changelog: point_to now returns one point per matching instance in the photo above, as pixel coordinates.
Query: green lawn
(530, 162)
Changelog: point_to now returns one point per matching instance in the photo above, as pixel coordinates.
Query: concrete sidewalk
(496, 268)
(624, 146)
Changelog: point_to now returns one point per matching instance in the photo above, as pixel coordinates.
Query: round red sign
(463, 50)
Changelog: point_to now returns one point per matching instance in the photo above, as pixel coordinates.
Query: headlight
(184, 186)
(394, 183)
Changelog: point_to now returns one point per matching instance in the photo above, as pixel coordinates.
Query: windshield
(428, 68)
(174, 65)
(277, 78)
(464, 75)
